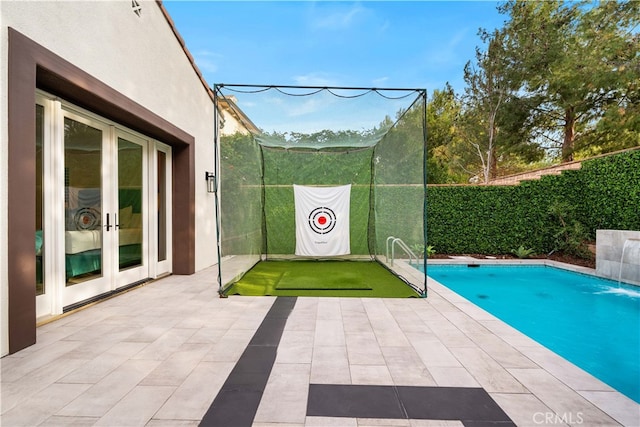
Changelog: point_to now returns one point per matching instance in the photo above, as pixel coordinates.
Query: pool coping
(612, 402)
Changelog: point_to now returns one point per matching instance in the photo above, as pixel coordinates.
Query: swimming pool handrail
(403, 246)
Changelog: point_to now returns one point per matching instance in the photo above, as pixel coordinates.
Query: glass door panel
(162, 206)
(161, 203)
(46, 253)
(39, 237)
(83, 202)
(131, 205)
(131, 201)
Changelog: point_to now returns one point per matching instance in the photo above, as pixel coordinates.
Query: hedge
(604, 194)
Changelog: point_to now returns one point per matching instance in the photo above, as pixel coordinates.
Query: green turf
(321, 278)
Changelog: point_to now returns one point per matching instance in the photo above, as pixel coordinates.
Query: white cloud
(447, 53)
(207, 61)
(274, 101)
(379, 82)
(309, 106)
(385, 26)
(457, 38)
(336, 16)
(314, 79)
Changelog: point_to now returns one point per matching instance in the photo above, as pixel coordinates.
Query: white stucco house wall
(93, 94)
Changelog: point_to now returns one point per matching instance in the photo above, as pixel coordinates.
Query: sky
(415, 44)
(370, 44)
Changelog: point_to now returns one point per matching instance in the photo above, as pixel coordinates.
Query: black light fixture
(211, 182)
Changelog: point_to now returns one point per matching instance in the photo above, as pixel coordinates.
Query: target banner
(322, 220)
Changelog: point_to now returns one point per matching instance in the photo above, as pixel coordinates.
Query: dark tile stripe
(237, 402)
(472, 406)
(450, 403)
(328, 400)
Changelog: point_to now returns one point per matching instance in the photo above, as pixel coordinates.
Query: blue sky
(416, 44)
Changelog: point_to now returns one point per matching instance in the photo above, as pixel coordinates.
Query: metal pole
(424, 179)
(216, 169)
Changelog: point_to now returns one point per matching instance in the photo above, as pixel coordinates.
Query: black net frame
(257, 201)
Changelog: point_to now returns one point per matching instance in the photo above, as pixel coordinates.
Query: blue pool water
(592, 322)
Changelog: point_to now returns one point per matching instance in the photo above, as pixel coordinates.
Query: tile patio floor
(158, 356)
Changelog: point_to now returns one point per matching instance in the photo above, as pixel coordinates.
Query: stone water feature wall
(611, 245)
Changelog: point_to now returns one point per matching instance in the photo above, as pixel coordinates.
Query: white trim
(103, 283)
(57, 294)
(131, 275)
(53, 196)
(160, 268)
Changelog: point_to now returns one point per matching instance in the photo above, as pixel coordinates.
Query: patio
(159, 355)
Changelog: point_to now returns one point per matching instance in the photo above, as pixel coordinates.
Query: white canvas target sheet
(322, 220)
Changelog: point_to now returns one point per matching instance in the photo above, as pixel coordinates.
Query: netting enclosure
(321, 173)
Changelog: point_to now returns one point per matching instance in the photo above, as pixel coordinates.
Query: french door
(105, 209)
(100, 222)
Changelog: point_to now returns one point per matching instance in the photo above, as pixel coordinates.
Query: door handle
(116, 221)
(108, 226)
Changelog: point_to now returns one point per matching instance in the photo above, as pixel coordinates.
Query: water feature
(627, 243)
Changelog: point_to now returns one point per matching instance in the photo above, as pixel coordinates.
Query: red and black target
(322, 220)
(87, 219)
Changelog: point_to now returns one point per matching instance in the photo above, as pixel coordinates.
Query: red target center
(322, 220)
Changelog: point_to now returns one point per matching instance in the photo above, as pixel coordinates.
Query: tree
(618, 126)
(443, 110)
(487, 89)
(573, 62)
(405, 138)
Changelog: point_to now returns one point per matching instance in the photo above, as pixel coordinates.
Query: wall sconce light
(211, 182)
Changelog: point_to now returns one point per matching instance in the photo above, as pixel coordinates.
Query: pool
(592, 322)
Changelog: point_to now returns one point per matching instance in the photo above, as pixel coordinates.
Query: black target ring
(322, 220)
(87, 219)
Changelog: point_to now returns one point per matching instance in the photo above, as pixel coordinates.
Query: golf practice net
(319, 173)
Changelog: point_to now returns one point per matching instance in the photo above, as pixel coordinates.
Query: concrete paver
(158, 355)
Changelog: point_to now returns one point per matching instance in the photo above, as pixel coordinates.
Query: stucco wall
(140, 57)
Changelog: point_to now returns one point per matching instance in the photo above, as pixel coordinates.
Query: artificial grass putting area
(321, 278)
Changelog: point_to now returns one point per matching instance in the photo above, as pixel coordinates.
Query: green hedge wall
(604, 193)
